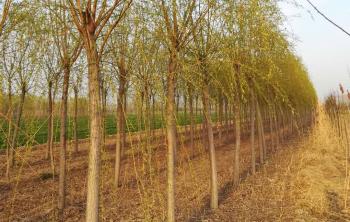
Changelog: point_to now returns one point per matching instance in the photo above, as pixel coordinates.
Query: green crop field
(34, 131)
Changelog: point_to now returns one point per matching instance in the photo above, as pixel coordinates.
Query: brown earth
(31, 194)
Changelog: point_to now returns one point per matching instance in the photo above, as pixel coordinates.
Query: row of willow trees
(160, 56)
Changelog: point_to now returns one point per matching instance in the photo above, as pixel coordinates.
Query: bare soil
(31, 194)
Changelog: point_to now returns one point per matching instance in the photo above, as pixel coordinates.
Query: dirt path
(142, 196)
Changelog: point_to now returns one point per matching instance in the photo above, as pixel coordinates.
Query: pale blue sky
(324, 49)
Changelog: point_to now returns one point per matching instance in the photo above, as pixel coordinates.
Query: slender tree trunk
(263, 135)
(153, 116)
(103, 112)
(49, 153)
(17, 126)
(260, 134)
(49, 123)
(252, 130)
(277, 133)
(120, 121)
(226, 117)
(238, 143)
(272, 135)
(204, 131)
(63, 143)
(177, 102)
(171, 135)
(9, 134)
(76, 120)
(185, 107)
(147, 124)
(191, 119)
(213, 171)
(220, 117)
(124, 116)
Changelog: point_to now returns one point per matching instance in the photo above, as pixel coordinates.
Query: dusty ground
(270, 195)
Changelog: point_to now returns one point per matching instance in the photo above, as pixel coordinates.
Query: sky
(324, 49)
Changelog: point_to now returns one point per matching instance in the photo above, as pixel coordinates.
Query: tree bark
(213, 171)
(192, 123)
(76, 148)
(237, 144)
(226, 117)
(277, 133)
(17, 126)
(252, 130)
(9, 134)
(92, 204)
(120, 142)
(272, 135)
(63, 143)
(49, 153)
(220, 119)
(260, 133)
(49, 123)
(171, 135)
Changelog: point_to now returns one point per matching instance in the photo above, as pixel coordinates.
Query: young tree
(91, 19)
(205, 51)
(177, 23)
(77, 81)
(68, 48)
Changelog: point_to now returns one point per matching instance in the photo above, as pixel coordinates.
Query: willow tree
(122, 54)
(94, 18)
(68, 48)
(51, 67)
(235, 53)
(176, 19)
(20, 68)
(205, 50)
(8, 74)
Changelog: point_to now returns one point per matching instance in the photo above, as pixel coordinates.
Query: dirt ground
(272, 194)
(305, 181)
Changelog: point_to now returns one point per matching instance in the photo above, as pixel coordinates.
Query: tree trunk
(49, 123)
(272, 135)
(17, 127)
(277, 133)
(185, 109)
(92, 213)
(177, 102)
(49, 153)
(120, 121)
(192, 123)
(103, 94)
(9, 134)
(260, 134)
(63, 143)
(213, 170)
(220, 119)
(252, 130)
(154, 125)
(226, 118)
(124, 116)
(238, 143)
(76, 120)
(171, 135)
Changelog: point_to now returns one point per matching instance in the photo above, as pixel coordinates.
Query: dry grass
(302, 182)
